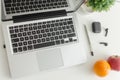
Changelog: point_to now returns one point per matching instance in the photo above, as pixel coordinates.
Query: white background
(111, 20)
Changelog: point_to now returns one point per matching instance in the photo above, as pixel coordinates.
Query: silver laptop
(41, 35)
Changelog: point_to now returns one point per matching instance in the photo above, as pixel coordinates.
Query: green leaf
(100, 5)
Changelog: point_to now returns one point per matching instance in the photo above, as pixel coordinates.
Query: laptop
(41, 35)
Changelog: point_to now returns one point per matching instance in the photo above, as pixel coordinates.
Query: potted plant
(98, 5)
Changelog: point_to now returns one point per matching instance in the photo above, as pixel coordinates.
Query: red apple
(114, 62)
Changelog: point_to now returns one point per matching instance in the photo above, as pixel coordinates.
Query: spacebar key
(44, 45)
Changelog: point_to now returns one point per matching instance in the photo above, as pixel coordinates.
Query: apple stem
(116, 55)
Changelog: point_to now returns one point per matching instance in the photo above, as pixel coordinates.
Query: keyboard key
(71, 35)
(57, 33)
(21, 39)
(61, 32)
(30, 47)
(16, 30)
(24, 34)
(64, 23)
(39, 40)
(13, 35)
(70, 39)
(33, 32)
(11, 31)
(40, 35)
(55, 29)
(65, 31)
(35, 36)
(29, 42)
(20, 49)
(30, 28)
(56, 37)
(15, 40)
(64, 36)
(69, 31)
(52, 25)
(19, 34)
(43, 26)
(15, 45)
(39, 27)
(29, 33)
(62, 41)
(20, 44)
(70, 22)
(8, 5)
(38, 31)
(53, 33)
(44, 35)
(48, 34)
(46, 30)
(15, 50)
(43, 40)
(34, 41)
(59, 28)
(24, 43)
(47, 39)
(42, 31)
(52, 38)
(25, 29)
(58, 42)
(35, 27)
(60, 36)
(31, 37)
(51, 29)
(26, 38)
(48, 25)
(44, 45)
(24, 48)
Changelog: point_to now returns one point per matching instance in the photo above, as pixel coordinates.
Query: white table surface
(111, 20)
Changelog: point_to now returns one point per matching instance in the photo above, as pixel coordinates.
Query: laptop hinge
(37, 16)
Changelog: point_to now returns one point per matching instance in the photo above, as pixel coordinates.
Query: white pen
(91, 51)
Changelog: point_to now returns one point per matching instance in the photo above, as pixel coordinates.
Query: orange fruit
(101, 68)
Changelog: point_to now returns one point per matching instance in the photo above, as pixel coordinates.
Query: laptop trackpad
(49, 59)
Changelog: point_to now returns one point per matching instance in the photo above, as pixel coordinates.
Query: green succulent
(100, 5)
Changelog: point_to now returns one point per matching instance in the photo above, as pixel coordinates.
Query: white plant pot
(85, 9)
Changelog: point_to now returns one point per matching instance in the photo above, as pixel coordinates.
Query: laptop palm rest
(49, 59)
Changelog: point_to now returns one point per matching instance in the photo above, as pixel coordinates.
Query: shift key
(71, 35)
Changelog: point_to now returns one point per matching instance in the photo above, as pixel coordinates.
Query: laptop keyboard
(42, 34)
(22, 6)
